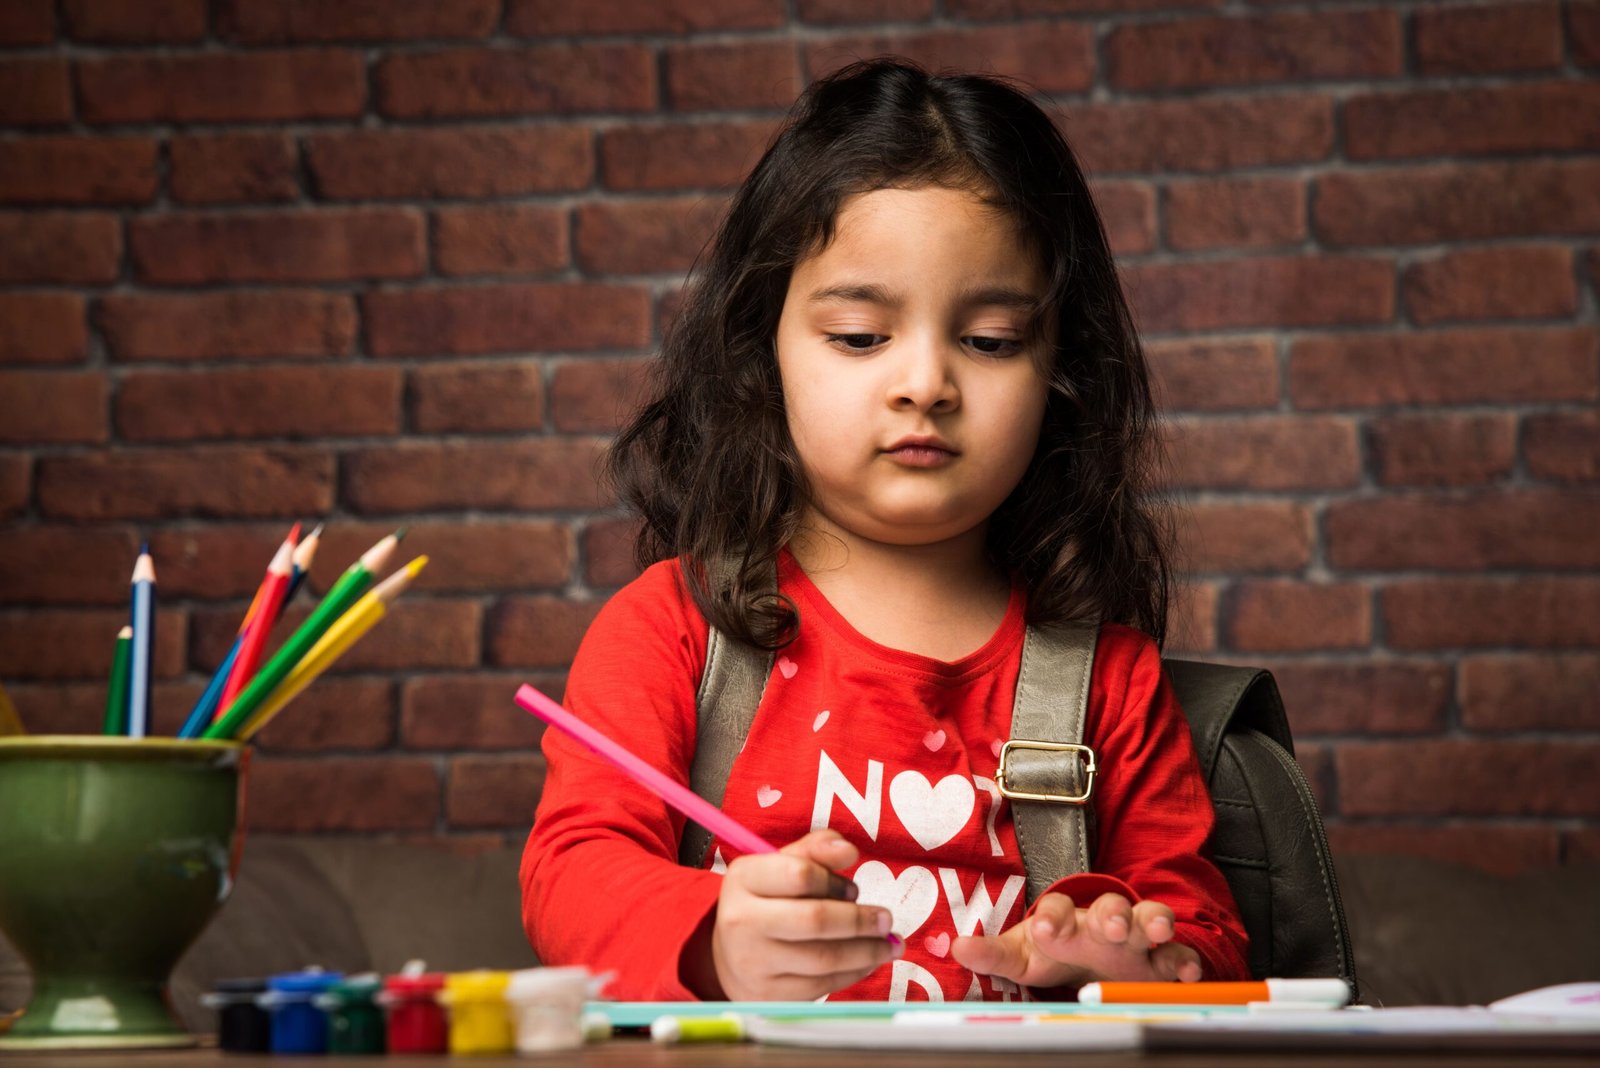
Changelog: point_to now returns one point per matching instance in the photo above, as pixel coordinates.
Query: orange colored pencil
(268, 604)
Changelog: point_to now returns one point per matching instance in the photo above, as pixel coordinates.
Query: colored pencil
(10, 722)
(117, 688)
(345, 632)
(345, 592)
(144, 635)
(304, 554)
(273, 587)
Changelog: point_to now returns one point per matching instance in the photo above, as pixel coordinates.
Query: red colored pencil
(268, 604)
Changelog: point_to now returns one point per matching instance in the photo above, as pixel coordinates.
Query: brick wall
(270, 260)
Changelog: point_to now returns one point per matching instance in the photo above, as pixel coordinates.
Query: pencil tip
(316, 532)
(144, 548)
(400, 535)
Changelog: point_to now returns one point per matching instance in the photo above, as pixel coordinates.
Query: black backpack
(1268, 839)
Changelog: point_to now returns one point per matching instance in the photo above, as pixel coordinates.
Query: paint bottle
(417, 1022)
(243, 1026)
(298, 1025)
(480, 1020)
(547, 1007)
(355, 1022)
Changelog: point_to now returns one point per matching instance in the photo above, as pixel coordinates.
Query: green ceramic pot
(114, 855)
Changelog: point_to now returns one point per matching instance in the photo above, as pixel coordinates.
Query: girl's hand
(787, 927)
(1061, 945)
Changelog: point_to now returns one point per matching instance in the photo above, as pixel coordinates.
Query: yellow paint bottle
(480, 1019)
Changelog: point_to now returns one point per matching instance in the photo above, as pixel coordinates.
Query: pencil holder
(114, 855)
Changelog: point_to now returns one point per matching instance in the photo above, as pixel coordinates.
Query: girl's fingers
(1175, 961)
(1053, 924)
(790, 875)
(857, 956)
(1154, 921)
(1111, 921)
(988, 955)
(818, 919)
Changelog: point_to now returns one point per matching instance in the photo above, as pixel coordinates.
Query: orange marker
(1308, 992)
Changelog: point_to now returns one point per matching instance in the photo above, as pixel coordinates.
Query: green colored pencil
(345, 592)
(117, 689)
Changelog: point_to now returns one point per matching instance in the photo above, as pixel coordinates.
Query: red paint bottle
(417, 1022)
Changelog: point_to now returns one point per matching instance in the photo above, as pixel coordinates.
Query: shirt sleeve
(1154, 814)
(601, 885)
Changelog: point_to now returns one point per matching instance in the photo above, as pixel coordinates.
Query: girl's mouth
(917, 454)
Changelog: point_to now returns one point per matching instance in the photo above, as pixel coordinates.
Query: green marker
(345, 592)
(117, 689)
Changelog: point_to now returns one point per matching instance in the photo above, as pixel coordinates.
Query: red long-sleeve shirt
(895, 751)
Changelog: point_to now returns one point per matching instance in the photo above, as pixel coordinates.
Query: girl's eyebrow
(872, 293)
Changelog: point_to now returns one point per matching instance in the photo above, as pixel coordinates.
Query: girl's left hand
(1062, 945)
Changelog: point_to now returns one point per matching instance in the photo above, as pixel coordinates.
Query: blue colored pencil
(200, 716)
(144, 635)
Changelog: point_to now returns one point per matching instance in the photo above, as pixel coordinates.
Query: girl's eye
(856, 342)
(994, 346)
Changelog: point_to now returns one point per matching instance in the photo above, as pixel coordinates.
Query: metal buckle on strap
(1084, 751)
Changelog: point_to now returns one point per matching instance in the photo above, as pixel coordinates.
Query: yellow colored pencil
(340, 636)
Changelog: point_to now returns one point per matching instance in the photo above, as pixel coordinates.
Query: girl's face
(913, 391)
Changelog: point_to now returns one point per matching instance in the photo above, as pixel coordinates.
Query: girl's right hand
(788, 928)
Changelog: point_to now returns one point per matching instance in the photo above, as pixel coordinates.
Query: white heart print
(766, 797)
(910, 897)
(787, 667)
(933, 741)
(932, 814)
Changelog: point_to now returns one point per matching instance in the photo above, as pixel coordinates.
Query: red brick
(608, 552)
(1201, 134)
(1442, 450)
(675, 156)
(502, 239)
(78, 170)
(1462, 613)
(258, 22)
(16, 484)
(484, 161)
(234, 168)
(645, 237)
(1456, 202)
(27, 22)
(548, 79)
(215, 562)
(66, 565)
(1051, 57)
(1581, 845)
(53, 406)
(849, 12)
(494, 791)
(476, 398)
(304, 794)
(223, 87)
(596, 395)
(135, 21)
(34, 92)
(70, 247)
(1204, 52)
(1199, 374)
(1271, 291)
(746, 76)
(1237, 537)
(1128, 213)
(1366, 697)
(42, 328)
(1192, 626)
(1469, 778)
(536, 632)
(1487, 39)
(333, 245)
(69, 643)
(668, 305)
(473, 319)
(259, 402)
(166, 484)
(1005, 9)
(526, 475)
(471, 712)
(1583, 31)
(1523, 693)
(412, 636)
(227, 325)
(552, 18)
(1236, 213)
(1284, 616)
(1444, 367)
(480, 555)
(1534, 282)
(332, 714)
(1539, 529)
(1264, 453)
(1530, 118)
(80, 707)
(1499, 850)
(1563, 446)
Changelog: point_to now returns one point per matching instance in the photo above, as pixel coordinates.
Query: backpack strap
(1216, 698)
(1045, 770)
(731, 686)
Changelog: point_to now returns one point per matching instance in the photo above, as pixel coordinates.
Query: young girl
(905, 382)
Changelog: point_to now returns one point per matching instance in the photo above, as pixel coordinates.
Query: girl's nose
(923, 378)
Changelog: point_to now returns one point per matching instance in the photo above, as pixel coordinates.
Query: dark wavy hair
(708, 462)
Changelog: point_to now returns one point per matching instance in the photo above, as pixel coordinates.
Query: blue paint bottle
(298, 1024)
